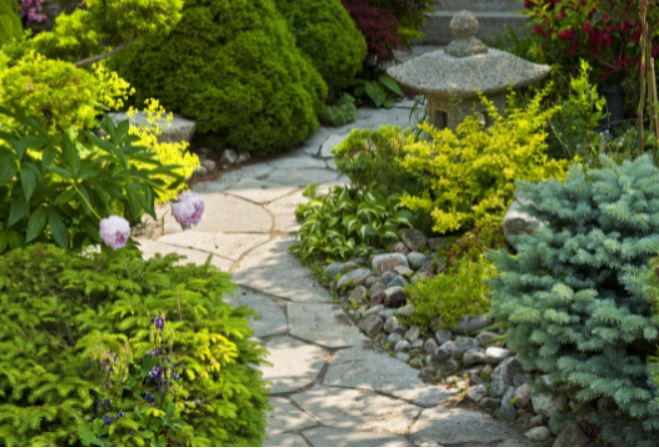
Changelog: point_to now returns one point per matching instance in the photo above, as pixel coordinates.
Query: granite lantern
(452, 78)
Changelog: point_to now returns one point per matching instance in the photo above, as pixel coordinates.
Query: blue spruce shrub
(571, 297)
(325, 32)
(111, 350)
(231, 65)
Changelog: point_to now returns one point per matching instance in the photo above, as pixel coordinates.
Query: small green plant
(371, 158)
(57, 187)
(347, 222)
(452, 294)
(341, 113)
(110, 350)
(381, 92)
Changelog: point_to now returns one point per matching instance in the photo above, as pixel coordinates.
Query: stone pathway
(329, 386)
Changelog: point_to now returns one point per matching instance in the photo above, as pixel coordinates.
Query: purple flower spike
(188, 210)
(114, 232)
(108, 420)
(148, 397)
(159, 322)
(156, 373)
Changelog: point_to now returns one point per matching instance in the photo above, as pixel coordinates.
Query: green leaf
(376, 93)
(392, 85)
(7, 169)
(28, 181)
(36, 223)
(71, 156)
(58, 228)
(18, 210)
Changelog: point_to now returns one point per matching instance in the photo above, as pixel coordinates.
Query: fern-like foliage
(572, 298)
(83, 363)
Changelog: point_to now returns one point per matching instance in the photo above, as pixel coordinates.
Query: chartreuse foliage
(167, 153)
(57, 93)
(57, 187)
(325, 32)
(347, 222)
(452, 294)
(232, 65)
(469, 175)
(82, 361)
(571, 295)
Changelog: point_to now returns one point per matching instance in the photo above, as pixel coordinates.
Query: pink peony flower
(188, 210)
(114, 232)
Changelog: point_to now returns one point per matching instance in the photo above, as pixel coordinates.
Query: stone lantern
(451, 78)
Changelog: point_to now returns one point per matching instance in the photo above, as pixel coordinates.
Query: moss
(327, 34)
(231, 65)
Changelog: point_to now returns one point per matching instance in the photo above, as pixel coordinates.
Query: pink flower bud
(114, 232)
(188, 209)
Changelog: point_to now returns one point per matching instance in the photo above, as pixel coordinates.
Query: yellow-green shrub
(167, 153)
(58, 94)
(470, 174)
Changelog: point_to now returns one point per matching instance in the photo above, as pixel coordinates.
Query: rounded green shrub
(232, 65)
(325, 32)
(572, 299)
(109, 350)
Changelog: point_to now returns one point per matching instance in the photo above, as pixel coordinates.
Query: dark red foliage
(378, 25)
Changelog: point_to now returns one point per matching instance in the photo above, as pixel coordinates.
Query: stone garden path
(329, 386)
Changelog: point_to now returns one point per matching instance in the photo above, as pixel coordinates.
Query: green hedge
(325, 32)
(111, 350)
(232, 65)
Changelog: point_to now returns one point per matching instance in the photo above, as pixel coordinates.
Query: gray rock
(388, 262)
(448, 346)
(416, 259)
(402, 346)
(180, 129)
(370, 281)
(476, 393)
(332, 269)
(373, 311)
(386, 313)
(399, 247)
(503, 374)
(490, 404)
(545, 404)
(405, 311)
(441, 355)
(392, 325)
(462, 344)
(508, 396)
(506, 412)
(471, 324)
(371, 324)
(398, 280)
(243, 157)
(404, 271)
(402, 356)
(348, 266)
(395, 297)
(538, 434)
(413, 333)
(353, 278)
(229, 156)
(521, 378)
(518, 222)
(358, 294)
(417, 345)
(414, 239)
(443, 336)
(473, 356)
(494, 355)
(428, 268)
(393, 338)
(200, 170)
(523, 395)
(209, 164)
(388, 276)
(486, 337)
(537, 420)
(430, 346)
(572, 435)
(377, 298)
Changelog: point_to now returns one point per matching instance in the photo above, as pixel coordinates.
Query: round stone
(464, 24)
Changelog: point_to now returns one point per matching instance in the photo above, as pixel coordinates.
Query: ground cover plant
(246, 82)
(572, 299)
(325, 32)
(107, 349)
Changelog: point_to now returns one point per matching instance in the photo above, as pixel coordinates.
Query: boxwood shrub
(107, 349)
(232, 65)
(325, 32)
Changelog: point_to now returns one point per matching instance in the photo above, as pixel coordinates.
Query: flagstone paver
(329, 387)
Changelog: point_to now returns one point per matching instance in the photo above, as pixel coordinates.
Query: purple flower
(148, 397)
(156, 373)
(175, 376)
(121, 414)
(188, 209)
(159, 322)
(108, 419)
(114, 232)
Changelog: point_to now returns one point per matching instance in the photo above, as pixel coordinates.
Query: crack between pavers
(194, 249)
(388, 395)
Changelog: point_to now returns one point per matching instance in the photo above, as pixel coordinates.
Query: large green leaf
(36, 223)
(58, 228)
